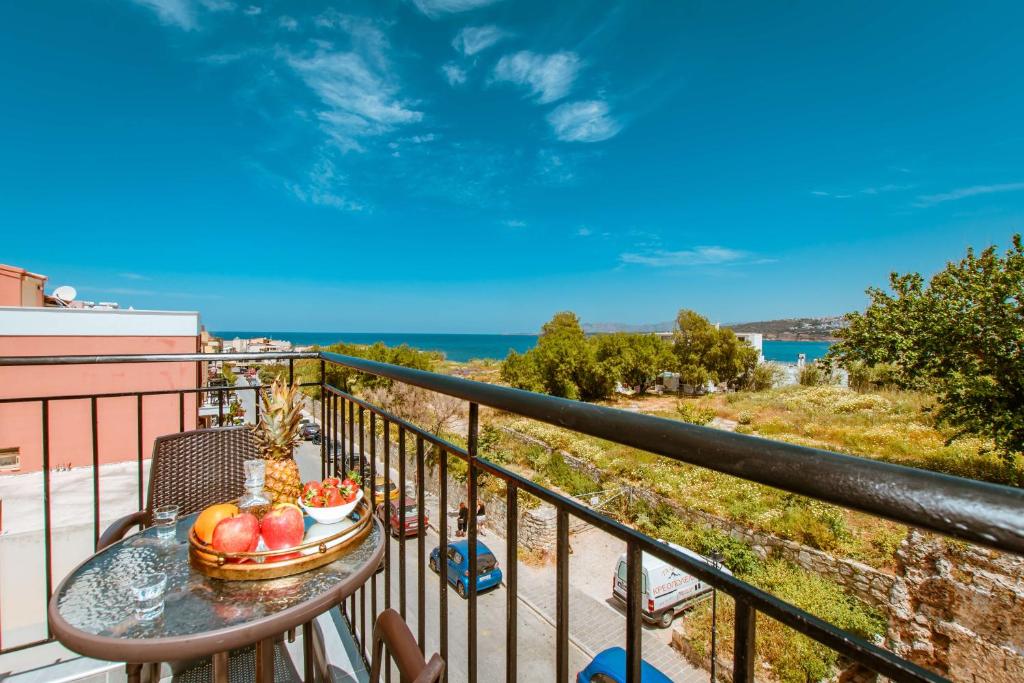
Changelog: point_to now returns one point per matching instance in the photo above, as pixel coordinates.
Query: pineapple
(276, 436)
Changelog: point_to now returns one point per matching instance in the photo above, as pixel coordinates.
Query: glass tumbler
(148, 592)
(165, 520)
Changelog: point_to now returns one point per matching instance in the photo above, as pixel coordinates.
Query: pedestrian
(481, 517)
(463, 519)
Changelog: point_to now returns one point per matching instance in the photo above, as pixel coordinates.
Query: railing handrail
(988, 514)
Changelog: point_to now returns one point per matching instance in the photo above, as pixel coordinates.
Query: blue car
(609, 666)
(456, 563)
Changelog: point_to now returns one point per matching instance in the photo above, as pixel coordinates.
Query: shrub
(814, 375)
(695, 413)
(566, 478)
(764, 376)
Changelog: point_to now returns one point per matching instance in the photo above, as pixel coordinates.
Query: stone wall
(959, 610)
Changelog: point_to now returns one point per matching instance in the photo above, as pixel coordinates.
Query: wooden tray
(314, 553)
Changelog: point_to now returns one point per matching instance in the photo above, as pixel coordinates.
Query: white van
(666, 590)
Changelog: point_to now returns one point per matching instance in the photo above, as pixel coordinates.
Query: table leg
(220, 667)
(308, 671)
(152, 672)
(134, 672)
(265, 661)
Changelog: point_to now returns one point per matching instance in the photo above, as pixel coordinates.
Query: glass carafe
(254, 500)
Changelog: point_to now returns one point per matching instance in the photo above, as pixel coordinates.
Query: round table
(92, 610)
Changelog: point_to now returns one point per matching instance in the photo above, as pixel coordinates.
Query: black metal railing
(978, 512)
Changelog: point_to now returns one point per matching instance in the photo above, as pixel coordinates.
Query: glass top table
(92, 612)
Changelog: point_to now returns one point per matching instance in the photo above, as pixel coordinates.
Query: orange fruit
(210, 517)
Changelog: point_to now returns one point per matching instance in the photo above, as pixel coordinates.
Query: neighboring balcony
(516, 621)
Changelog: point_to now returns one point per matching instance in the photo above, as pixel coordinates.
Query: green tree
(960, 335)
(706, 353)
(228, 374)
(635, 360)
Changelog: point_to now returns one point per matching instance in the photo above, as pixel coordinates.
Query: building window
(10, 459)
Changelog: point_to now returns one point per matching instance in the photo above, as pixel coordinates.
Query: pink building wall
(70, 423)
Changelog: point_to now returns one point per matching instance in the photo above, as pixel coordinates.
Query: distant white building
(755, 339)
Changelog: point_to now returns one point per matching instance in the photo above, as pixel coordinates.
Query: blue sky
(477, 165)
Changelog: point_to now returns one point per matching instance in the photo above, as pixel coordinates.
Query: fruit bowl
(331, 515)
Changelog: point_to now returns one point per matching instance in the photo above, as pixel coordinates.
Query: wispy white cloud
(848, 194)
(132, 276)
(288, 23)
(435, 8)
(474, 39)
(178, 13)
(584, 232)
(927, 200)
(698, 256)
(513, 223)
(219, 5)
(322, 187)
(360, 95)
(554, 168)
(252, 11)
(454, 73)
(548, 77)
(586, 121)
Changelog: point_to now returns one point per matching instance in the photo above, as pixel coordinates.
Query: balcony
(528, 628)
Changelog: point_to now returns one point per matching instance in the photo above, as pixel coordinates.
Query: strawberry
(348, 491)
(312, 488)
(354, 477)
(332, 497)
(314, 501)
(331, 482)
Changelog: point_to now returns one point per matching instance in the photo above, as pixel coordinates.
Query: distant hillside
(803, 329)
(794, 329)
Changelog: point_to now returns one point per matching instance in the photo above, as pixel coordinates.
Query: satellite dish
(65, 293)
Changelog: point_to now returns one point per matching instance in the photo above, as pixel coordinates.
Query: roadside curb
(543, 615)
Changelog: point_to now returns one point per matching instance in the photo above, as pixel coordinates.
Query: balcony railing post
(512, 583)
(442, 559)
(744, 639)
(138, 445)
(471, 449)
(562, 596)
(421, 541)
(323, 412)
(634, 569)
(93, 420)
(47, 529)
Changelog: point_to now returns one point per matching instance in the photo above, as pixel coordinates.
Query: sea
(465, 347)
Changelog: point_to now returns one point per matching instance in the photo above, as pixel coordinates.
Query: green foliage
(228, 374)
(558, 473)
(793, 658)
(695, 413)
(960, 335)
(815, 375)
(763, 376)
(268, 373)
(636, 360)
(706, 353)
(864, 377)
(352, 380)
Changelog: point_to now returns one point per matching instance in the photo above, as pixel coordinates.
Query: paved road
(594, 624)
(247, 397)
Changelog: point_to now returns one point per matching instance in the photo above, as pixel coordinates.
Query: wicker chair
(193, 470)
(390, 630)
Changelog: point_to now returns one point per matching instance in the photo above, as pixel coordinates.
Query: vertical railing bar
(634, 569)
(329, 438)
(323, 412)
(257, 393)
(220, 407)
(471, 449)
(367, 490)
(442, 559)
(373, 505)
(47, 530)
(512, 583)
(421, 619)
(562, 597)
(181, 411)
(291, 372)
(344, 462)
(744, 639)
(138, 413)
(93, 418)
(386, 510)
(401, 523)
(351, 451)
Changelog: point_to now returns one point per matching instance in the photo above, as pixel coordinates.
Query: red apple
(237, 534)
(282, 527)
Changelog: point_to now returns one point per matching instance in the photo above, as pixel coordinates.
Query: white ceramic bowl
(334, 514)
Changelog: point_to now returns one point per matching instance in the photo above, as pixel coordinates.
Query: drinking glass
(148, 591)
(165, 519)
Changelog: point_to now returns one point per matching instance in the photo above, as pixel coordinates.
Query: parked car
(378, 490)
(666, 590)
(389, 516)
(456, 563)
(609, 666)
(311, 432)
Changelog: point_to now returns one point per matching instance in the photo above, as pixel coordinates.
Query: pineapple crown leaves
(278, 431)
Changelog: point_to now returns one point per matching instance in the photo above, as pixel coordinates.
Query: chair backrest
(199, 468)
(390, 629)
